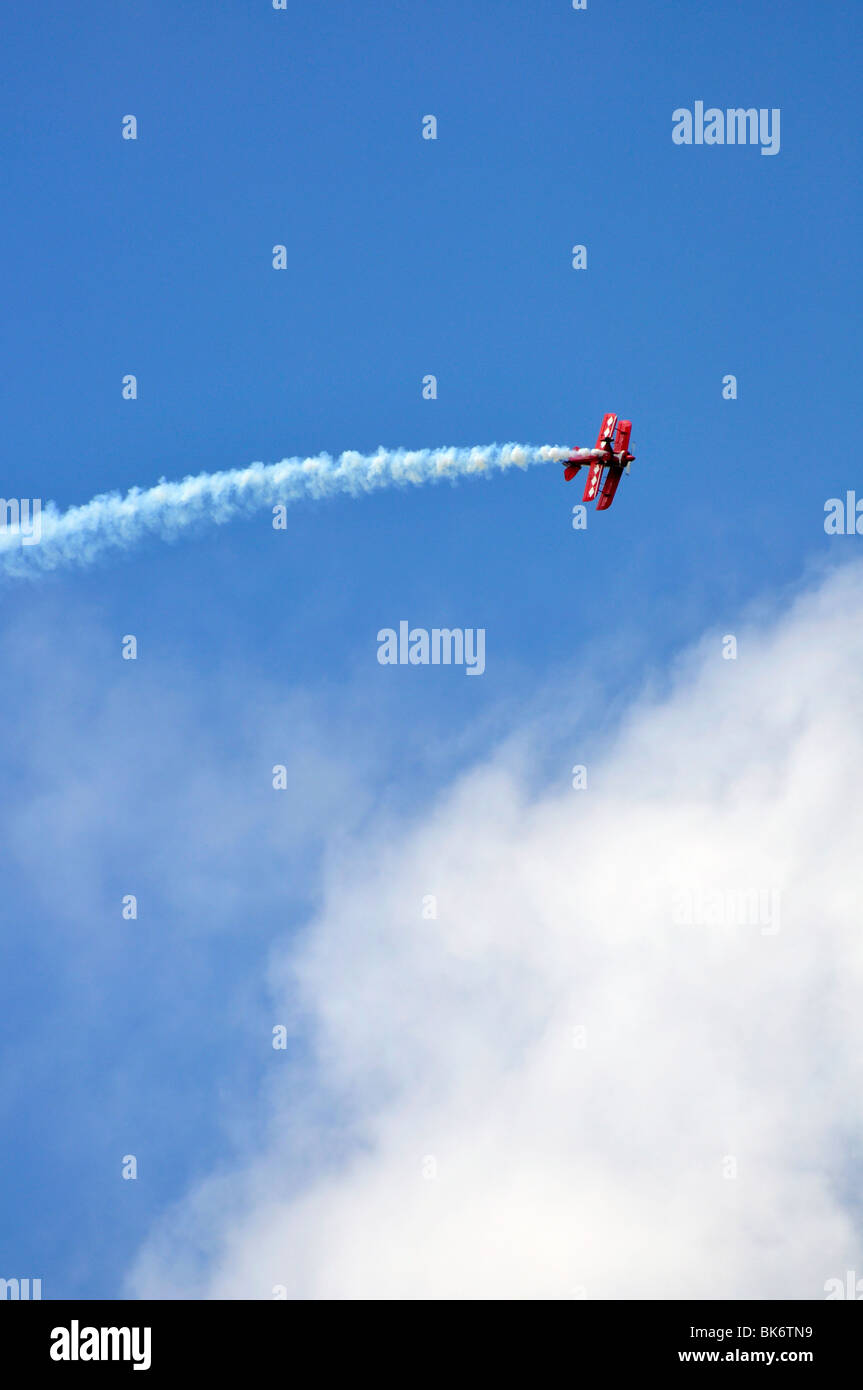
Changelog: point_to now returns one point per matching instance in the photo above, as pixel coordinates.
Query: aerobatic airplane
(615, 456)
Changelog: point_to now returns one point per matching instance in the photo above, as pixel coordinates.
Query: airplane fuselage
(593, 455)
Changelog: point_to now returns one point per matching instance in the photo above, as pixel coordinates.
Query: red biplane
(609, 452)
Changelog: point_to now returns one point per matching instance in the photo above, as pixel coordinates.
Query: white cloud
(561, 1169)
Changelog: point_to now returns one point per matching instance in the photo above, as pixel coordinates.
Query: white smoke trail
(113, 522)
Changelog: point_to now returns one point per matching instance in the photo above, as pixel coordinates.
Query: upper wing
(606, 429)
(606, 497)
(624, 430)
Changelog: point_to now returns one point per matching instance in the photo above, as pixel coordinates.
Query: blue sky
(405, 257)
